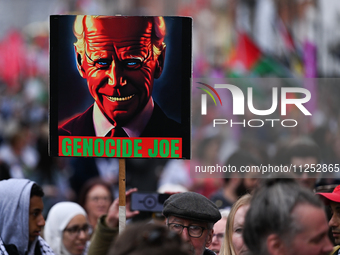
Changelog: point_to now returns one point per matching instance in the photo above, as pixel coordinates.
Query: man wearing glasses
(120, 57)
(189, 214)
(193, 217)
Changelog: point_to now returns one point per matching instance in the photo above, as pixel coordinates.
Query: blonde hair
(157, 37)
(227, 247)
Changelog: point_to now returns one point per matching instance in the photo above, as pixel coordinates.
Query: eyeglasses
(193, 230)
(219, 236)
(75, 230)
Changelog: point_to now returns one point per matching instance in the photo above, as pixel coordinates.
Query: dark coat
(159, 125)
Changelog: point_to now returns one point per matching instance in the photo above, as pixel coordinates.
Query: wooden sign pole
(122, 197)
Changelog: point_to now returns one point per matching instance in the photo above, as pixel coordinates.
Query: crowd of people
(24, 98)
(235, 214)
(280, 216)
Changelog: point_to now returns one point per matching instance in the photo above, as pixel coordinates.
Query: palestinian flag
(246, 59)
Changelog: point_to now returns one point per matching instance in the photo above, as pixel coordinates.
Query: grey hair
(158, 32)
(271, 210)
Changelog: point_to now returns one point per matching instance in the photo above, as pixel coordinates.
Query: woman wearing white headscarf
(67, 229)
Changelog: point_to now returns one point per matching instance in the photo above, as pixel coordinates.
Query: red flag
(245, 55)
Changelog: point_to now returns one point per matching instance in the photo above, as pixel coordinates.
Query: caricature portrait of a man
(120, 57)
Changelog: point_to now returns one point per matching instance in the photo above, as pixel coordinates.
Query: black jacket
(159, 125)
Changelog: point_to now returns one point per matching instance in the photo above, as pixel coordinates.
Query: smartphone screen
(150, 202)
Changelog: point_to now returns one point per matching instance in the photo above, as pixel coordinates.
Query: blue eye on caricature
(133, 63)
(102, 64)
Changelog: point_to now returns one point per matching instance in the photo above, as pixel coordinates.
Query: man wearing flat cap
(333, 200)
(193, 217)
